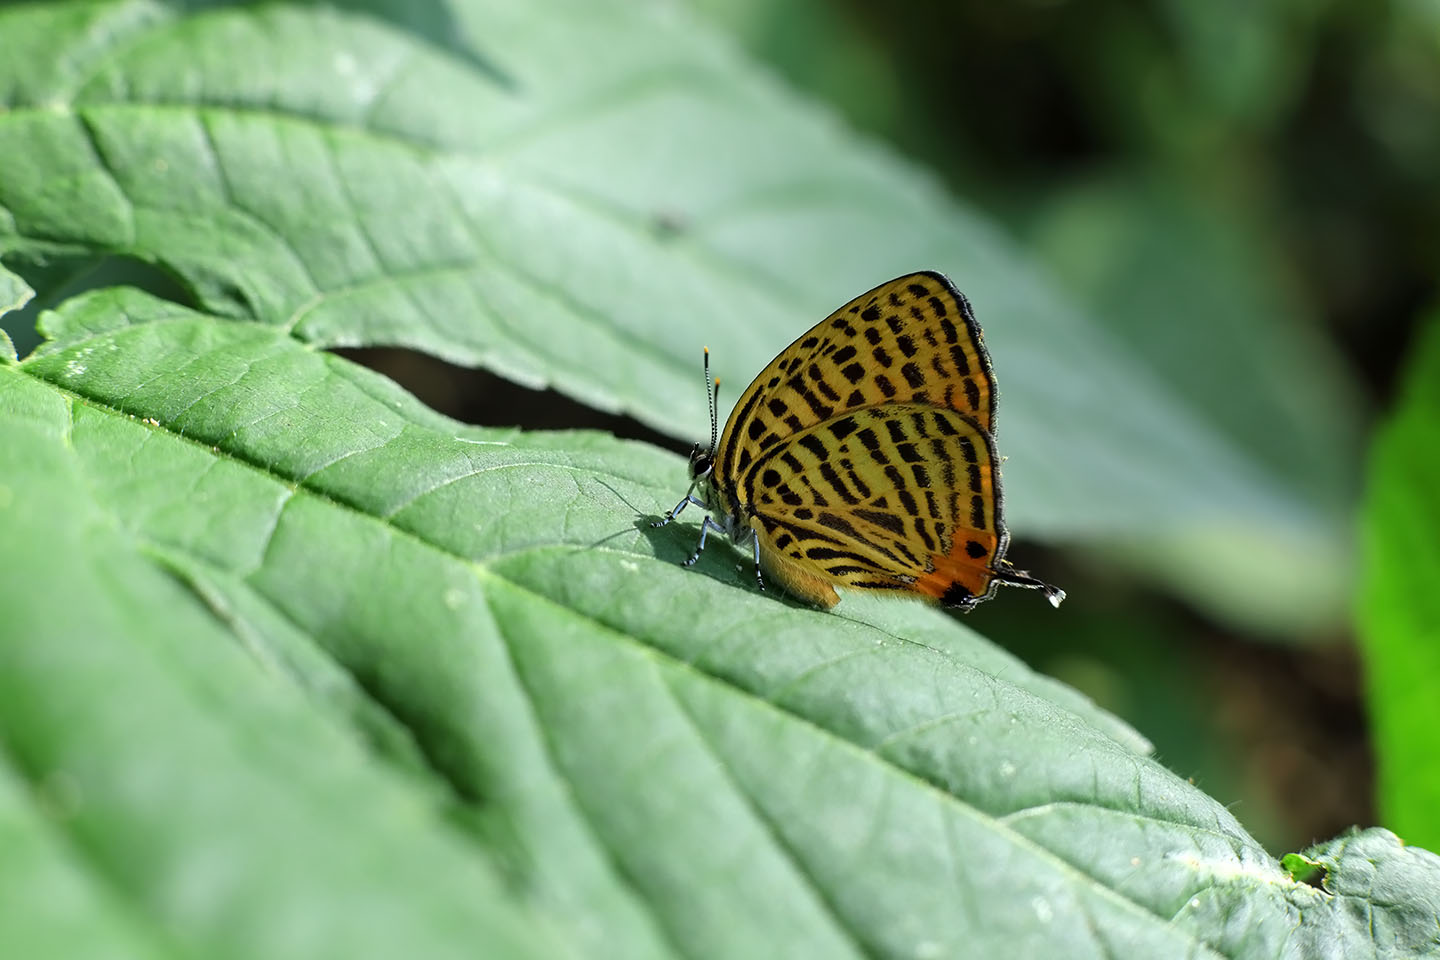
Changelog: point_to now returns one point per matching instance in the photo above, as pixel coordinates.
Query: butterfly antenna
(712, 391)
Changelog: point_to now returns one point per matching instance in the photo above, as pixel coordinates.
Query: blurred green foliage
(1400, 610)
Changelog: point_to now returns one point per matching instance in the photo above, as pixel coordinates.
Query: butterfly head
(702, 462)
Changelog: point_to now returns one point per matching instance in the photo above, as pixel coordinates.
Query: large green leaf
(292, 666)
(580, 194)
(1400, 610)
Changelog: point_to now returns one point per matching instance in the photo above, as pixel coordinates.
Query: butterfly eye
(700, 462)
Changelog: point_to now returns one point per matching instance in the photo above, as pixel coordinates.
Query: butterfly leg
(705, 528)
(689, 499)
(755, 543)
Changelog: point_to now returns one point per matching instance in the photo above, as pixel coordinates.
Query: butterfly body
(863, 456)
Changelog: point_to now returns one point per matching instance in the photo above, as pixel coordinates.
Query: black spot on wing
(813, 443)
(956, 595)
(857, 482)
(832, 477)
(839, 524)
(883, 519)
(972, 394)
(842, 428)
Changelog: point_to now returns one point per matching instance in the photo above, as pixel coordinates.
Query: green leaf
(293, 667)
(582, 195)
(1399, 616)
(1368, 866)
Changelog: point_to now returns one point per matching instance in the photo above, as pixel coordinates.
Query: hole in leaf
(485, 399)
(1304, 870)
(58, 277)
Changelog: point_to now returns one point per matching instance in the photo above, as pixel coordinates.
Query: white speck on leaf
(1043, 911)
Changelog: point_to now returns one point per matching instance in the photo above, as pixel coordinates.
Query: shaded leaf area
(348, 677)
(1399, 621)
(590, 195)
(14, 294)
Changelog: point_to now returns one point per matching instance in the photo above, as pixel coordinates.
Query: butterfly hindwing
(894, 497)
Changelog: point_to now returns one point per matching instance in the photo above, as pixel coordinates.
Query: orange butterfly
(864, 456)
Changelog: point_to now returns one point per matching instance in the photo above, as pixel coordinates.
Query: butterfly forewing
(911, 340)
(899, 496)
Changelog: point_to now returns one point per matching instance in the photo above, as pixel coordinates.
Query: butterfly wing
(893, 497)
(911, 340)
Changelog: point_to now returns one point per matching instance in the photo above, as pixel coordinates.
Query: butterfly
(864, 456)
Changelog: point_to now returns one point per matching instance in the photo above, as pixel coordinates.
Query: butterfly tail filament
(1012, 577)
